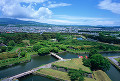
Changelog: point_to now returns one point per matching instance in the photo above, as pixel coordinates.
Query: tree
(43, 51)
(63, 47)
(23, 53)
(37, 46)
(59, 37)
(86, 62)
(76, 75)
(11, 43)
(98, 62)
(92, 52)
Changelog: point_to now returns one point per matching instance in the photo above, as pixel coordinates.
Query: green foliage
(59, 37)
(103, 38)
(9, 48)
(86, 62)
(23, 53)
(21, 44)
(98, 62)
(7, 55)
(43, 51)
(63, 47)
(76, 75)
(3, 48)
(11, 43)
(37, 46)
(92, 52)
(54, 49)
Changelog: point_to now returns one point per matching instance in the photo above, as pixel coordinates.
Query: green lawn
(117, 59)
(77, 51)
(101, 76)
(54, 73)
(75, 63)
(58, 74)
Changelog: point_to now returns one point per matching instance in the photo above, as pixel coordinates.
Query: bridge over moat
(35, 69)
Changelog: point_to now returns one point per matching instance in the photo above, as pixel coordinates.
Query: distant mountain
(16, 21)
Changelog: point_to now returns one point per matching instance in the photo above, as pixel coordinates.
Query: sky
(63, 12)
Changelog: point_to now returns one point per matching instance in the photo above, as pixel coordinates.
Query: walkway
(27, 73)
(53, 54)
(113, 60)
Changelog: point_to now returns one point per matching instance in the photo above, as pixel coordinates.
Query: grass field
(117, 59)
(54, 73)
(75, 63)
(101, 76)
(58, 74)
(77, 51)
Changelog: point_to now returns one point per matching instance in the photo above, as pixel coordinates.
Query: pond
(80, 38)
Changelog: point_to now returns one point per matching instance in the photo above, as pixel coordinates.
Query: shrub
(76, 75)
(43, 51)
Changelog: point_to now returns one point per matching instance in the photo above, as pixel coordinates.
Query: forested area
(104, 38)
(20, 46)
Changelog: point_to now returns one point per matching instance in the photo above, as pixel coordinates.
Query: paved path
(113, 60)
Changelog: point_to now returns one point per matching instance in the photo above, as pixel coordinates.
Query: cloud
(77, 18)
(13, 9)
(58, 5)
(29, 1)
(109, 5)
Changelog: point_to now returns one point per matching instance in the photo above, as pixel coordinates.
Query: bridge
(27, 72)
(33, 70)
(58, 57)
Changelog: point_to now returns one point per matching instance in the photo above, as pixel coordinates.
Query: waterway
(36, 61)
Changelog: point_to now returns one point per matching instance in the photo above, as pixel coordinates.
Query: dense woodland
(104, 38)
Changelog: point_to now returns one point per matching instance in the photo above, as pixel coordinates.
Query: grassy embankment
(101, 76)
(75, 64)
(117, 59)
(114, 64)
(13, 61)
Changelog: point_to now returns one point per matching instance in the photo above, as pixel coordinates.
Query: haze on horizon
(63, 12)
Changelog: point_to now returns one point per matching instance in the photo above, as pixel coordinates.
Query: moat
(36, 61)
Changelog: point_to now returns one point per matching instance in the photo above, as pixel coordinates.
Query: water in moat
(36, 61)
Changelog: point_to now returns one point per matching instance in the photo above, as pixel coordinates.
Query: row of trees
(103, 38)
(18, 37)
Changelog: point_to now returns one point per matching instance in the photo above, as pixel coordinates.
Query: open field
(54, 73)
(73, 64)
(101, 76)
(58, 74)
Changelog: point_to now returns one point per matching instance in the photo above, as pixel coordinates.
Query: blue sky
(66, 12)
